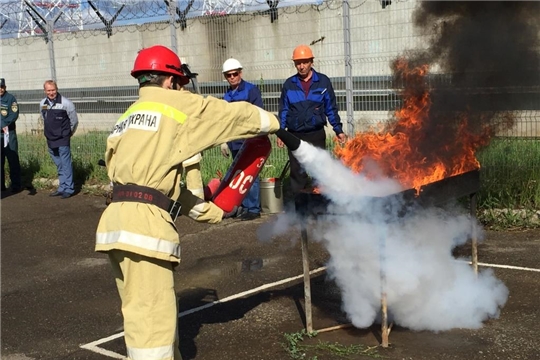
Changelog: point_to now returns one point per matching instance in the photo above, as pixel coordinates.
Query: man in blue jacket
(307, 102)
(60, 122)
(241, 90)
(9, 111)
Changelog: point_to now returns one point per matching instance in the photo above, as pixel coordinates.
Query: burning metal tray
(435, 193)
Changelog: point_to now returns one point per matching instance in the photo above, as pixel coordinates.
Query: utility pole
(172, 13)
(47, 26)
(348, 67)
(50, 43)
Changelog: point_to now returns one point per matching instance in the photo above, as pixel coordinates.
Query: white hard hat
(231, 64)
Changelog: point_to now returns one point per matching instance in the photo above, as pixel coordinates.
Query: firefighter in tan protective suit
(145, 154)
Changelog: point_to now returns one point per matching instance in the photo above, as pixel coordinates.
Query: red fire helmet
(161, 59)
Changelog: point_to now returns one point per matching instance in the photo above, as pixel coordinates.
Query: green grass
(510, 179)
(86, 150)
(510, 172)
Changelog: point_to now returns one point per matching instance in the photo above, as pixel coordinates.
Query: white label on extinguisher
(247, 179)
(240, 180)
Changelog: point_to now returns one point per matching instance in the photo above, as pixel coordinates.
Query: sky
(134, 11)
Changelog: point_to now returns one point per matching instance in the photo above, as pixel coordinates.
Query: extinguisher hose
(288, 139)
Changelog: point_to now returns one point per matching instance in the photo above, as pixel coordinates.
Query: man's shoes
(240, 211)
(56, 193)
(247, 216)
(66, 195)
(16, 190)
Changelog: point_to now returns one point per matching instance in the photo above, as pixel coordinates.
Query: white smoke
(426, 287)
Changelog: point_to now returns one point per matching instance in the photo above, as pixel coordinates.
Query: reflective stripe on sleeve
(138, 240)
(195, 159)
(265, 121)
(197, 210)
(156, 353)
(197, 192)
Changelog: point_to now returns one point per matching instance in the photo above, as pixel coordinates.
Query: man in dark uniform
(9, 111)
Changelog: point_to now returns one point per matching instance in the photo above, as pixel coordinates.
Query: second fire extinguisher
(246, 166)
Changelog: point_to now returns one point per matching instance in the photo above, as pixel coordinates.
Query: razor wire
(21, 18)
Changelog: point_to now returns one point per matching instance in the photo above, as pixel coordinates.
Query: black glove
(288, 139)
(230, 214)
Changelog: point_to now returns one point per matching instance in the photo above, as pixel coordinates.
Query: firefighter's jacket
(147, 147)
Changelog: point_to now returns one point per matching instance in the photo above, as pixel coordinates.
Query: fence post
(348, 67)
(50, 43)
(172, 13)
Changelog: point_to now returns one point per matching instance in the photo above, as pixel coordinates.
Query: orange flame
(418, 146)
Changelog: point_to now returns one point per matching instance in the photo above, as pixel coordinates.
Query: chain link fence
(89, 47)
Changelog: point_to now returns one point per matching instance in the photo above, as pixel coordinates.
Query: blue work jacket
(301, 113)
(60, 121)
(245, 91)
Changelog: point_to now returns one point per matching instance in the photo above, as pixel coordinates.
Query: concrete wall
(91, 59)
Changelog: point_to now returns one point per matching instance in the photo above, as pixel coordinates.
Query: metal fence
(89, 48)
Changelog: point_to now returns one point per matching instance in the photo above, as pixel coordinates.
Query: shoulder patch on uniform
(141, 120)
(14, 106)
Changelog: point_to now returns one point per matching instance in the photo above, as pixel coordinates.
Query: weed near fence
(510, 184)
(510, 172)
(89, 148)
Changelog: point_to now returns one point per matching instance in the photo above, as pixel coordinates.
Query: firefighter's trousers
(146, 288)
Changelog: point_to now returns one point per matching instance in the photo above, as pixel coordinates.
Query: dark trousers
(14, 167)
(299, 177)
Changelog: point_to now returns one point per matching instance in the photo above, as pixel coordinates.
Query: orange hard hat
(158, 58)
(302, 52)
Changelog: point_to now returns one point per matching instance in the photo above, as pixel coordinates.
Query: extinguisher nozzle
(288, 139)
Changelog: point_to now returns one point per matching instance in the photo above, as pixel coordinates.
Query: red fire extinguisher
(246, 166)
(210, 188)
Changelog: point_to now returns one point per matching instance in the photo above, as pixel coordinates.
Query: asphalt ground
(59, 300)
